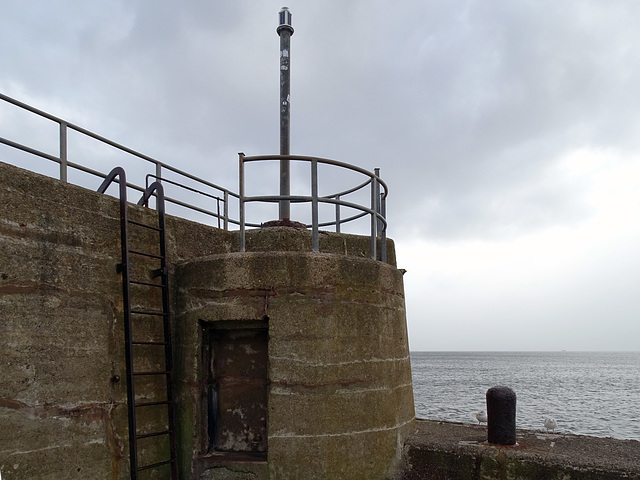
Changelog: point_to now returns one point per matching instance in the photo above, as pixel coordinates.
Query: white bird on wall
(550, 424)
(481, 416)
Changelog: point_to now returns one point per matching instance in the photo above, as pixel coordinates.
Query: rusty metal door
(238, 390)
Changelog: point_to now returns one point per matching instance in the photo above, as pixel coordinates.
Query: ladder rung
(144, 225)
(149, 343)
(154, 434)
(144, 254)
(152, 404)
(159, 372)
(146, 283)
(149, 312)
(155, 465)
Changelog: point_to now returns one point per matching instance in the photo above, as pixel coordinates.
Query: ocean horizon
(587, 392)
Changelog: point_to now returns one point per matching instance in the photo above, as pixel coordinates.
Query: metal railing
(221, 214)
(374, 207)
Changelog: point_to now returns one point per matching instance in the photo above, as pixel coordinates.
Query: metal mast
(284, 30)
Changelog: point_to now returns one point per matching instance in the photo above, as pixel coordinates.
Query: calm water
(586, 392)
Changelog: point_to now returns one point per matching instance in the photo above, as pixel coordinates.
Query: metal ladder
(147, 328)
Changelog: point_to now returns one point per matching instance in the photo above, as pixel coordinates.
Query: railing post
(381, 213)
(378, 207)
(241, 199)
(315, 241)
(63, 151)
(374, 217)
(226, 210)
(338, 214)
(218, 210)
(158, 173)
(383, 237)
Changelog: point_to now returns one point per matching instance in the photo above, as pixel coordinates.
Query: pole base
(285, 222)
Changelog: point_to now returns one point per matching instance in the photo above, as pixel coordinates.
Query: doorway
(237, 388)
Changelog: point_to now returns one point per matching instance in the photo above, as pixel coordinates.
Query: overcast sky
(507, 131)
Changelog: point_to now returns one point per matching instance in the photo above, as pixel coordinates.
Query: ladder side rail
(157, 189)
(118, 174)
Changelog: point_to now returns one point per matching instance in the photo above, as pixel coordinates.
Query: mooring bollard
(501, 413)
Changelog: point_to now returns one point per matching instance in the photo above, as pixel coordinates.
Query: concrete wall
(340, 397)
(61, 416)
(61, 331)
(340, 400)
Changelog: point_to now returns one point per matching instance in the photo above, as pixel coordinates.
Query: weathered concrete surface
(61, 332)
(274, 239)
(340, 397)
(61, 416)
(448, 451)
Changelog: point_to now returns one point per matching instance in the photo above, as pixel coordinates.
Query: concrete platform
(448, 450)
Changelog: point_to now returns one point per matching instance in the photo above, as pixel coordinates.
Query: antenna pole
(285, 30)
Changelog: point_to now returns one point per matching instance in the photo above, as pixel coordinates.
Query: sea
(588, 393)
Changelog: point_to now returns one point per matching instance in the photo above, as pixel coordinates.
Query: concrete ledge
(447, 450)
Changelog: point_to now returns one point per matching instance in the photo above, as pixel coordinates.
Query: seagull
(550, 424)
(481, 416)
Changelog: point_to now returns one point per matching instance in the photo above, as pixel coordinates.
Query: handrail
(376, 210)
(159, 167)
(217, 215)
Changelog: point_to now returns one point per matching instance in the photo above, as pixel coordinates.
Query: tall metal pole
(284, 30)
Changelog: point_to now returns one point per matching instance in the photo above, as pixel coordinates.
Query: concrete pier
(448, 451)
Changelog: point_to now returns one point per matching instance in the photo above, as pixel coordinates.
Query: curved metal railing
(376, 210)
(208, 194)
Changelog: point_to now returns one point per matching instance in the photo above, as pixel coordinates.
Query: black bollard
(501, 413)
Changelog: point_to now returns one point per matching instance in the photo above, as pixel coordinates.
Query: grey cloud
(459, 106)
(468, 107)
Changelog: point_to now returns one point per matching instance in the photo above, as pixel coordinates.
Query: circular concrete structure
(339, 391)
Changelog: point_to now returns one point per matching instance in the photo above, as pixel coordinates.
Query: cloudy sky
(507, 131)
